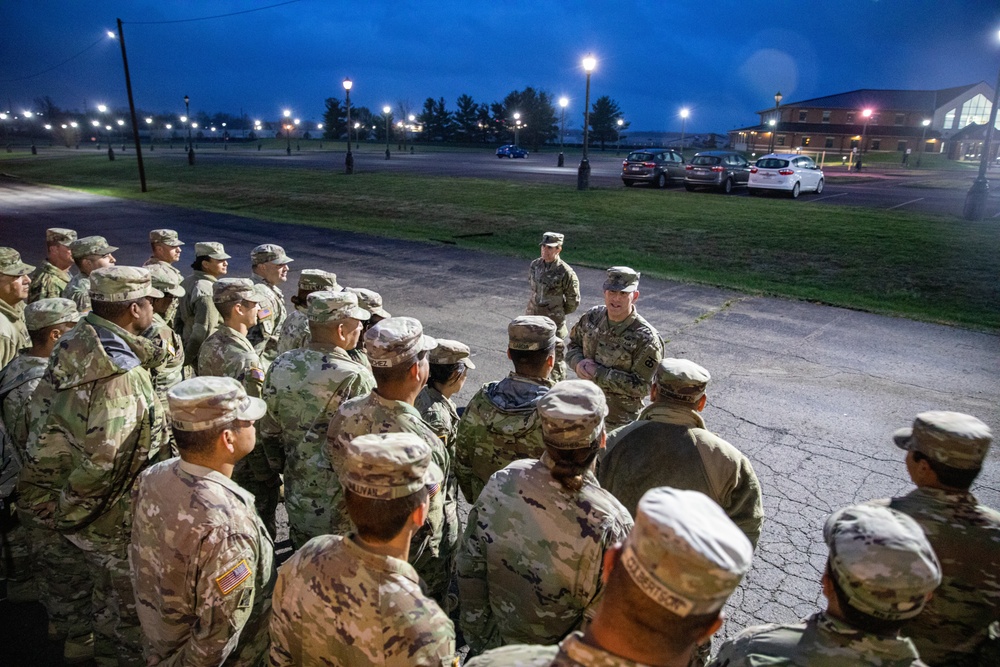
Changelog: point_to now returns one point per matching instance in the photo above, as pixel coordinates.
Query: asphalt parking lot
(811, 394)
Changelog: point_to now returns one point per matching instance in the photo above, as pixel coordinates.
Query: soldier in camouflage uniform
(46, 320)
(555, 293)
(228, 353)
(270, 268)
(880, 573)
(398, 351)
(372, 302)
(167, 280)
(202, 561)
(89, 253)
(531, 559)
(303, 390)
(51, 277)
(499, 424)
(617, 349)
(14, 285)
(945, 453)
(197, 317)
(295, 330)
(354, 600)
(166, 251)
(664, 592)
(103, 426)
(669, 446)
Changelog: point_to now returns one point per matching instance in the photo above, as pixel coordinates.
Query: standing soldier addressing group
(303, 390)
(51, 277)
(270, 267)
(197, 317)
(616, 348)
(89, 253)
(555, 293)
(202, 562)
(295, 330)
(14, 284)
(166, 251)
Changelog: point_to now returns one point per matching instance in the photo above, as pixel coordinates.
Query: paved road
(810, 393)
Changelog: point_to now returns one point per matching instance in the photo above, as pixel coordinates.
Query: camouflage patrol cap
(50, 312)
(60, 235)
(385, 466)
(226, 290)
(681, 380)
(572, 414)
(531, 332)
(450, 352)
(881, 560)
(165, 236)
(269, 252)
(165, 279)
(91, 245)
(552, 239)
(957, 440)
(370, 301)
(210, 250)
(684, 552)
(328, 306)
(121, 283)
(200, 403)
(11, 264)
(396, 340)
(621, 279)
(313, 280)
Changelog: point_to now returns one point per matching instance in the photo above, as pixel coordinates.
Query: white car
(786, 172)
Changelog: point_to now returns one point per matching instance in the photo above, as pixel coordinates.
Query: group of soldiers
(154, 422)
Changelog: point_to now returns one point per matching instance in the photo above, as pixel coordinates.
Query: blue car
(511, 151)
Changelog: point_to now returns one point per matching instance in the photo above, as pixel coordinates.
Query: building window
(900, 119)
(850, 117)
(876, 144)
(900, 146)
(949, 120)
(803, 115)
(829, 142)
(976, 110)
(805, 141)
(780, 140)
(826, 116)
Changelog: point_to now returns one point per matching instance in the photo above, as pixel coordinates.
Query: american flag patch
(233, 578)
(263, 313)
(257, 374)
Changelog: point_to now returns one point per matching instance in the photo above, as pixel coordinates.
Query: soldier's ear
(611, 557)
(419, 514)
(228, 440)
(654, 392)
(707, 633)
(702, 402)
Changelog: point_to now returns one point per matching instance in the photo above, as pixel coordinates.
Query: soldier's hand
(586, 369)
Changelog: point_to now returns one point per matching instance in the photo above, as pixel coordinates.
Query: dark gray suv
(721, 170)
(655, 166)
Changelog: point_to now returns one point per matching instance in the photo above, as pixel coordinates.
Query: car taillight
(648, 165)
(753, 170)
(785, 172)
(718, 168)
(624, 163)
(689, 168)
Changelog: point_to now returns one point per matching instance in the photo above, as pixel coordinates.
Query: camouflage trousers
(15, 557)
(438, 571)
(63, 580)
(560, 369)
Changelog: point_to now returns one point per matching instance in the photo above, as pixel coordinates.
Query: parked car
(785, 172)
(511, 151)
(655, 166)
(722, 170)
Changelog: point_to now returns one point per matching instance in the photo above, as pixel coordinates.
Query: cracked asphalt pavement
(812, 394)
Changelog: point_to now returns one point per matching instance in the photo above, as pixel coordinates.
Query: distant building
(836, 123)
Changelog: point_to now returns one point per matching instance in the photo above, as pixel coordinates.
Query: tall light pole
(923, 139)
(685, 112)
(517, 126)
(349, 160)
(187, 117)
(770, 146)
(387, 110)
(287, 126)
(975, 200)
(357, 141)
(773, 122)
(867, 113)
(618, 150)
(563, 102)
(583, 173)
(407, 128)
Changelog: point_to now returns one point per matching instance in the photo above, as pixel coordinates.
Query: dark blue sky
(724, 59)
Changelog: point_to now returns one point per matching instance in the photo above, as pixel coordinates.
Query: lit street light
(685, 112)
(923, 139)
(517, 127)
(867, 113)
(187, 116)
(618, 150)
(563, 102)
(386, 110)
(121, 132)
(349, 160)
(775, 120)
(287, 126)
(975, 200)
(583, 173)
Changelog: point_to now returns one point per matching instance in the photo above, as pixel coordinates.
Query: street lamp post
(618, 135)
(975, 200)
(386, 110)
(923, 140)
(563, 102)
(583, 173)
(517, 127)
(357, 141)
(287, 126)
(187, 120)
(111, 151)
(407, 128)
(349, 160)
(685, 112)
(867, 113)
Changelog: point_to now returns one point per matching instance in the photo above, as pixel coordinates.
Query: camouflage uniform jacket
(555, 291)
(954, 626)
(627, 353)
(374, 414)
(197, 316)
(358, 354)
(530, 562)
(202, 567)
(171, 314)
(571, 652)
(303, 390)
(669, 446)
(78, 291)
(103, 425)
(13, 332)
(264, 335)
(294, 332)
(18, 381)
(171, 371)
(439, 413)
(47, 282)
(499, 426)
(818, 641)
(337, 604)
(228, 353)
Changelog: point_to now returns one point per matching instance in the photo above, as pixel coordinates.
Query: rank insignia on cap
(236, 576)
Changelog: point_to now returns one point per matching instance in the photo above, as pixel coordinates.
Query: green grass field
(939, 269)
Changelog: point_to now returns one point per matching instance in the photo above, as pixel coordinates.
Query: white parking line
(839, 194)
(905, 203)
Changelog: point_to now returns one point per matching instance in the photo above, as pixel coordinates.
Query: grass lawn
(939, 269)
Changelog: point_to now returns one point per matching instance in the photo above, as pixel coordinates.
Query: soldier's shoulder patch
(263, 313)
(256, 374)
(234, 577)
